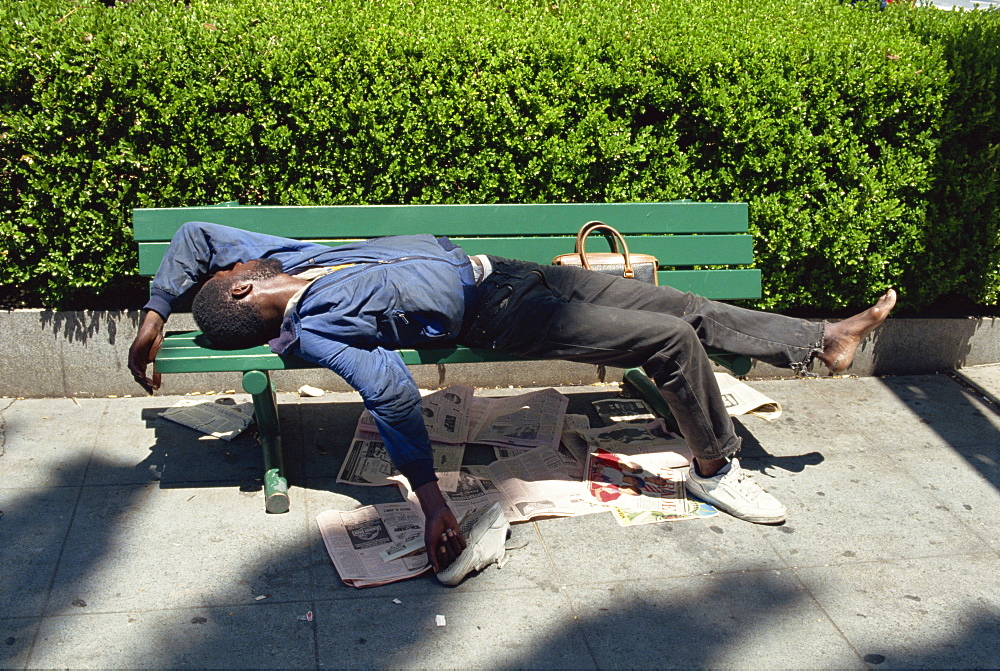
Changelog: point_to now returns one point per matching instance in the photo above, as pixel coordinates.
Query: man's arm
(391, 395)
(197, 250)
(144, 348)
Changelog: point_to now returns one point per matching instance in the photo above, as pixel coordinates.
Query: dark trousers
(559, 312)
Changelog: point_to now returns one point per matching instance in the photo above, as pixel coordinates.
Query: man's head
(228, 308)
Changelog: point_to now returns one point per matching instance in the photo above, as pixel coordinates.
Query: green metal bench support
(258, 384)
(636, 384)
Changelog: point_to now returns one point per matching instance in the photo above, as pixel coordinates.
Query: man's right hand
(442, 537)
(144, 348)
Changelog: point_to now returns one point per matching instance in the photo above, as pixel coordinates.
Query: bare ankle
(707, 468)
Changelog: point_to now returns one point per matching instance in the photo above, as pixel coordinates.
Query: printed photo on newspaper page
(618, 481)
(359, 540)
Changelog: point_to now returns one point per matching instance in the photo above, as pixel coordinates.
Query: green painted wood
(724, 285)
(265, 409)
(181, 355)
(309, 222)
(669, 250)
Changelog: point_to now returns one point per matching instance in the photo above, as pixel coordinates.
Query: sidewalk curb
(84, 354)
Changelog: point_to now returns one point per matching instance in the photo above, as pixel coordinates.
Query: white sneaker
(485, 532)
(734, 492)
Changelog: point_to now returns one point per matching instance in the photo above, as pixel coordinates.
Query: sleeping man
(347, 308)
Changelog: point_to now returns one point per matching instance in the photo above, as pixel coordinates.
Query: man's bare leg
(841, 339)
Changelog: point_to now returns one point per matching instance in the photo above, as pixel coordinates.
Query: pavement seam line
(3, 426)
(62, 548)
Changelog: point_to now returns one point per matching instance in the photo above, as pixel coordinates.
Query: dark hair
(229, 323)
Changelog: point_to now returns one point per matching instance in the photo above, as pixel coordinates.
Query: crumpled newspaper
(221, 420)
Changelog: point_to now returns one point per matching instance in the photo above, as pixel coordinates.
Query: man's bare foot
(842, 338)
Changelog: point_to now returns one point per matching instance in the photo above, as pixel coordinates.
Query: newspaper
(615, 410)
(446, 415)
(627, 484)
(453, 417)
(216, 419)
(356, 539)
(569, 441)
(524, 421)
(542, 482)
(658, 447)
(695, 509)
(742, 399)
(367, 463)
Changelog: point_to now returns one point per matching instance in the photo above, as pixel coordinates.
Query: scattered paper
(629, 518)
(439, 620)
(397, 601)
(614, 410)
(308, 617)
(215, 419)
(623, 482)
(310, 391)
(354, 540)
(742, 399)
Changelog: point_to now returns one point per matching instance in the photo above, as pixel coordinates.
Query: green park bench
(701, 247)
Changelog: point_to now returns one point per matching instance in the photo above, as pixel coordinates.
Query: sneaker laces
(741, 481)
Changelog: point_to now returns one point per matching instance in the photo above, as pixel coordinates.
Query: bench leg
(258, 384)
(636, 384)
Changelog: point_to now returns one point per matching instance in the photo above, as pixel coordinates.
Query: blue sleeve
(389, 393)
(199, 249)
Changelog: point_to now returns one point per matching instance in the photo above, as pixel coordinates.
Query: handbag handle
(615, 241)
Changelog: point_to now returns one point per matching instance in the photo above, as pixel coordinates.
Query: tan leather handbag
(618, 262)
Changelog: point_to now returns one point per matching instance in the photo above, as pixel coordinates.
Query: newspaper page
(524, 421)
(367, 463)
(615, 410)
(446, 415)
(742, 399)
(658, 447)
(615, 480)
(695, 509)
(539, 483)
(475, 489)
(213, 418)
(569, 442)
(355, 541)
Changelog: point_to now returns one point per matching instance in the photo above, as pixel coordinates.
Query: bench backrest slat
(315, 222)
(682, 235)
(674, 250)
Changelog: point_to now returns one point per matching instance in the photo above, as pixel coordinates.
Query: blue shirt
(400, 292)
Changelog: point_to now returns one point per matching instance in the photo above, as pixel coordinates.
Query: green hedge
(865, 141)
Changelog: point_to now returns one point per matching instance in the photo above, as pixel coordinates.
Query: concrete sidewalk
(127, 541)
